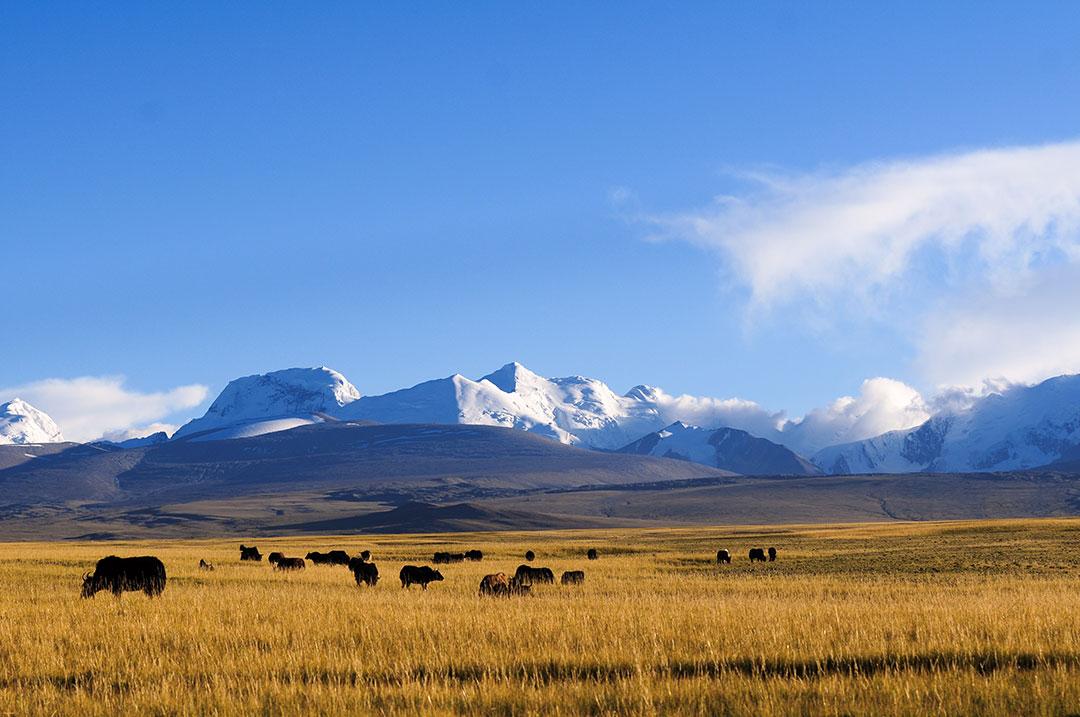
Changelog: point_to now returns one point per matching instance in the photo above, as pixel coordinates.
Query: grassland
(928, 618)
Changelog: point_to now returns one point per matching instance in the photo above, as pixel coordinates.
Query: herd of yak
(147, 573)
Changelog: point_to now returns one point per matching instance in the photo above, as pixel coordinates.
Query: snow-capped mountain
(725, 448)
(21, 424)
(276, 401)
(1020, 427)
(575, 410)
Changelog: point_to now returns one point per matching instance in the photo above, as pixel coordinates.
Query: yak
(364, 572)
(365, 555)
(334, 557)
(203, 565)
(284, 563)
(591, 555)
(723, 556)
(251, 553)
(118, 575)
(527, 575)
(495, 585)
(757, 555)
(573, 577)
(442, 558)
(772, 554)
(419, 575)
(474, 555)
(529, 556)
(272, 558)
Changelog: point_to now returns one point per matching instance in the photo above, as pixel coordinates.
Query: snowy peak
(1020, 427)
(513, 376)
(22, 424)
(725, 448)
(295, 393)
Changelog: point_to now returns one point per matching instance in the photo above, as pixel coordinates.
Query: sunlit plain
(959, 618)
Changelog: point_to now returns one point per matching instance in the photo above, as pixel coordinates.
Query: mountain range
(1016, 428)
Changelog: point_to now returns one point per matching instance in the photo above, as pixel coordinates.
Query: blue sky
(195, 192)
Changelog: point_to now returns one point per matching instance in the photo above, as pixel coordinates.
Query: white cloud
(91, 406)
(715, 412)
(1021, 337)
(883, 404)
(123, 434)
(989, 214)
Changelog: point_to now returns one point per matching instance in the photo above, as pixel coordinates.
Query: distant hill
(726, 448)
(338, 461)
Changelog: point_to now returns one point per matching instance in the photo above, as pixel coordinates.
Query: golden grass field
(927, 618)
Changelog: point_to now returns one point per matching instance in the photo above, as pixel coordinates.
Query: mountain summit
(274, 401)
(22, 424)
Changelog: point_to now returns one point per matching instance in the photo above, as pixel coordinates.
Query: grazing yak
(272, 558)
(364, 572)
(203, 565)
(496, 585)
(443, 558)
(118, 575)
(421, 576)
(284, 563)
(474, 555)
(573, 577)
(529, 556)
(526, 575)
(723, 556)
(365, 555)
(251, 553)
(334, 557)
(591, 555)
(772, 554)
(757, 554)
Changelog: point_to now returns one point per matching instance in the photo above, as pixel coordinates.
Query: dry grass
(946, 618)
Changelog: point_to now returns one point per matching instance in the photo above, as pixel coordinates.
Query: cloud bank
(1000, 211)
(971, 257)
(89, 407)
(882, 404)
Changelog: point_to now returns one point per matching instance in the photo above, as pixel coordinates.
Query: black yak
(334, 557)
(772, 554)
(527, 575)
(723, 556)
(591, 555)
(756, 555)
(118, 575)
(251, 553)
(474, 555)
(364, 572)
(365, 555)
(272, 558)
(442, 558)
(529, 556)
(573, 577)
(421, 576)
